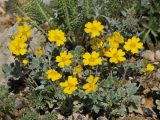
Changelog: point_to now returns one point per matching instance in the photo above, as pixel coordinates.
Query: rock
(5, 55)
(148, 112)
(157, 55)
(148, 55)
(155, 88)
(7, 117)
(20, 103)
(3, 7)
(47, 2)
(149, 103)
(60, 117)
(23, 2)
(102, 118)
(151, 56)
(139, 110)
(38, 40)
(78, 116)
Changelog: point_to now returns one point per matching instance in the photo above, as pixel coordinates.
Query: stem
(125, 72)
(96, 70)
(33, 81)
(44, 14)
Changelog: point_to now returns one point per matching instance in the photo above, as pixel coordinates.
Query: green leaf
(6, 69)
(35, 63)
(146, 37)
(134, 98)
(158, 30)
(50, 104)
(131, 88)
(87, 72)
(96, 109)
(17, 70)
(145, 25)
(67, 69)
(109, 81)
(154, 33)
(158, 104)
(120, 111)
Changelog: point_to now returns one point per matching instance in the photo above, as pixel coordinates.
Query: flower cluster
(25, 19)
(18, 45)
(114, 48)
(101, 49)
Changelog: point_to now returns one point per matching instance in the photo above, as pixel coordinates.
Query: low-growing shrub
(98, 74)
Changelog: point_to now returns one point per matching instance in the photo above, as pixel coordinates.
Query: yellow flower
(18, 47)
(57, 36)
(94, 28)
(96, 43)
(103, 51)
(92, 59)
(115, 55)
(115, 40)
(19, 19)
(150, 68)
(78, 70)
(38, 52)
(53, 75)
(20, 37)
(133, 45)
(25, 30)
(70, 85)
(91, 84)
(25, 61)
(27, 19)
(64, 59)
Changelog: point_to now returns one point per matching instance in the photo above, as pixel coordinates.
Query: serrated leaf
(17, 70)
(120, 111)
(6, 69)
(35, 63)
(96, 109)
(109, 81)
(146, 37)
(158, 104)
(154, 33)
(132, 88)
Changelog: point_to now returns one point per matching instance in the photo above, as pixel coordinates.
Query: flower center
(94, 28)
(63, 59)
(18, 48)
(92, 59)
(91, 85)
(71, 85)
(57, 37)
(115, 55)
(133, 45)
